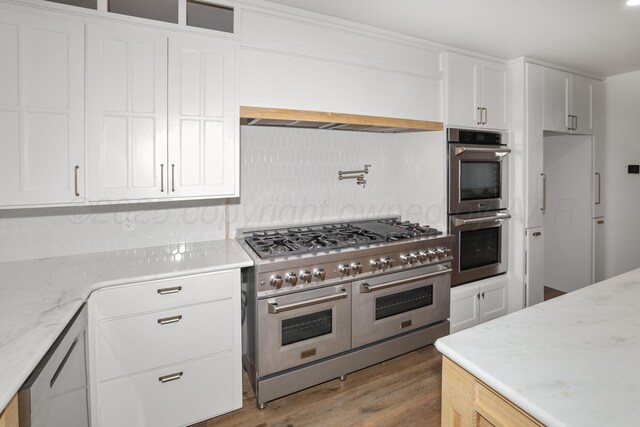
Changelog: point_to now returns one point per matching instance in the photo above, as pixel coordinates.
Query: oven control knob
(319, 273)
(375, 264)
(356, 267)
(344, 269)
(415, 257)
(305, 276)
(406, 258)
(432, 254)
(447, 252)
(423, 256)
(291, 279)
(386, 262)
(440, 253)
(275, 281)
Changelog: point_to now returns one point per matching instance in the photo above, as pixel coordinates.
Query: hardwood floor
(404, 391)
(550, 293)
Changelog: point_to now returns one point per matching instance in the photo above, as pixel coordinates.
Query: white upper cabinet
(567, 102)
(476, 92)
(41, 110)
(202, 117)
(162, 119)
(126, 113)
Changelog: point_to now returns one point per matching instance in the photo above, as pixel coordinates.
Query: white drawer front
(164, 294)
(204, 390)
(134, 344)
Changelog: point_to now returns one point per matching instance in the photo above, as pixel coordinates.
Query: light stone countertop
(570, 361)
(39, 297)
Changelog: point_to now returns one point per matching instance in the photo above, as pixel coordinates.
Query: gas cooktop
(311, 239)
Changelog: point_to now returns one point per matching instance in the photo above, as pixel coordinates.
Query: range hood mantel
(259, 116)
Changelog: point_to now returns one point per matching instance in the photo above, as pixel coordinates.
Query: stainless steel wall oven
(478, 200)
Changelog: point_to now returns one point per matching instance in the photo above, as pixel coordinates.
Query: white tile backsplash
(288, 176)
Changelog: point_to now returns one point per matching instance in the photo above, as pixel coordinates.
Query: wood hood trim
(260, 116)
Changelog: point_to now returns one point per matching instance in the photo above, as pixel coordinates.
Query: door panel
(493, 300)
(464, 307)
(535, 148)
(556, 100)
(494, 95)
(534, 272)
(202, 118)
(463, 91)
(580, 103)
(42, 110)
(126, 112)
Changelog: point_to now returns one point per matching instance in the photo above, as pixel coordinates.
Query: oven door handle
(274, 308)
(366, 288)
(498, 217)
(499, 152)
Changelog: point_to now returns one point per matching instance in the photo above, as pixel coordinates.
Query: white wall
(290, 176)
(621, 191)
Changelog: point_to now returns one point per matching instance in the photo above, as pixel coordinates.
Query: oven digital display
(479, 248)
(480, 180)
(306, 327)
(402, 302)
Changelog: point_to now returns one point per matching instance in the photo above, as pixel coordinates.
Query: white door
(599, 250)
(464, 307)
(535, 143)
(494, 95)
(580, 102)
(463, 90)
(126, 112)
(41, 110)
(568, 220)
(493, 300)
(534, 266)
(203, 141)
(556, 100)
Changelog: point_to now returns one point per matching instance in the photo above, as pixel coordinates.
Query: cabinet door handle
(482, 295)
(171, 377)
(162, 177)
(169, 320)
(575, 126)
(599, 189)
(172, 290)
(544, 192)
(75, 180)
(601, 222)
(480, 112)
(173, 177)
(486, 115)
(478, 295)
(537, 234)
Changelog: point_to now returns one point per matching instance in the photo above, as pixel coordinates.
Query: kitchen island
(570, 361)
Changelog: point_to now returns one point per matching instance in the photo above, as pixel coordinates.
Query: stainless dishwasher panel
(55, 394)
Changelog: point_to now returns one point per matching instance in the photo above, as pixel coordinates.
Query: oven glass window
(306, 327)
(479, 248)
(402, 302)
(479, 180)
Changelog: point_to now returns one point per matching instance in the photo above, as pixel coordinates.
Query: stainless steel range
(326, 300)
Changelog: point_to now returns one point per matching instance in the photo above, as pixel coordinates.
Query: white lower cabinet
(175, 360)
(478, 302)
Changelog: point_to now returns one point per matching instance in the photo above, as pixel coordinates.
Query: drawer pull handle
(167, 291)
(170, 377)
(168, 320)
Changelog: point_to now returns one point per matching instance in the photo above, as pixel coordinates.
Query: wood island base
(468, 402)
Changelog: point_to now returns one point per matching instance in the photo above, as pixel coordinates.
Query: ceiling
(600, 37)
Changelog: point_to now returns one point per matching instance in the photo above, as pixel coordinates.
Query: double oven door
(299, 328)
(389, 305)
(481, 248)
(478, 171)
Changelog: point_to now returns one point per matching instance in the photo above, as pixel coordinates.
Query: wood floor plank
(404, 391)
